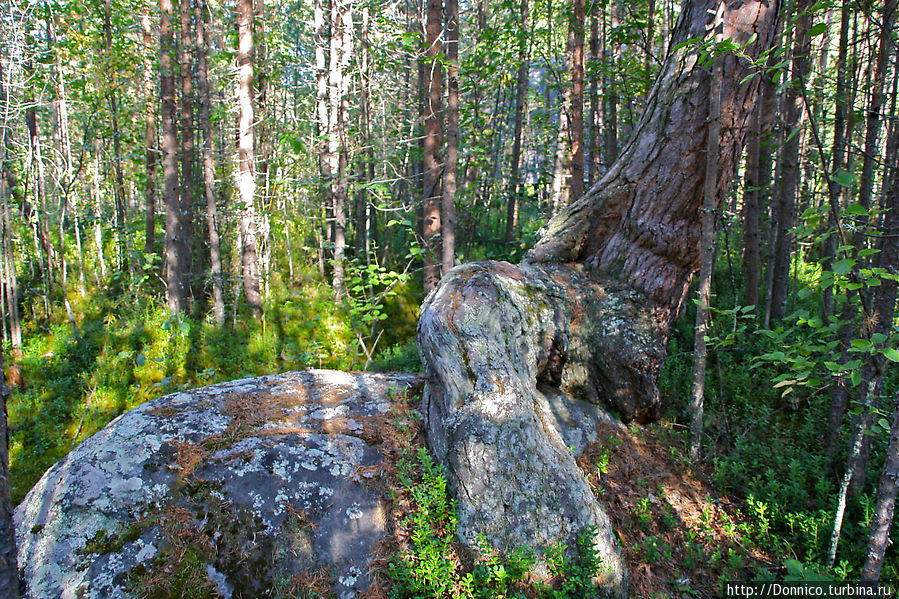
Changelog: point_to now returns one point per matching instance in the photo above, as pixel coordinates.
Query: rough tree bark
(786, 201)
(448, 206)
(586, 315)
(149, 139)
(215, 253)
(176, 279)
(188, 170)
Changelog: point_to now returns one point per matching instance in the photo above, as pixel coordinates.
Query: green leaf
(878, 338)
(891, 354)
(842, 267)
(861, 343)
(855, 377)
(857, 209)
(817, 29)
(843, 178)
(884, 424)
(794, 567)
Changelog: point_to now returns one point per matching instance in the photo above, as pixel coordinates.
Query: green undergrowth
(431, 565)
(127, 350)
(767, 401)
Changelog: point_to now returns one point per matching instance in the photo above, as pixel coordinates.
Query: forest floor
(680, 536)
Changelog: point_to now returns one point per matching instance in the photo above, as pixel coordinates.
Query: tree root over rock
(498, 342)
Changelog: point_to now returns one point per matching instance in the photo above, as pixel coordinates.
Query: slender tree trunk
(839, 392)
(338, 83)
(707, 252)
(448, 205)
(322, 43)
(576, 28)
(176, 279)
(215, 253)
(855, 447)
(10, 283)
(596, 166)
(431, 225)
(884, 310)
(100, 267)
(149, 141)
(871, 155)
(9, 570)
(119, 182)
(188, 169)
(838, 152)
(875, 103)
(521, 91)
(787, 197)
(751, 191)
(610, 92)
(246, 181)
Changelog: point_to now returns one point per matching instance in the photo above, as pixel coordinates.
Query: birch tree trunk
(246, 178)
(585, 317)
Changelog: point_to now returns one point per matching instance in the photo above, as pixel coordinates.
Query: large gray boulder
(252, 488)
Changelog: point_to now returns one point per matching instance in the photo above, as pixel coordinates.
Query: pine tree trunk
(188, 169)
(837, 153)
(246, 181)
(751, 192)
(431, 226)
(610, 93)
(521, 92)
(586, 315)
(215, 252)
(176, 279)
(596, 165)
(448, 203)
(149, 142)
(789, 186)
(576, 122)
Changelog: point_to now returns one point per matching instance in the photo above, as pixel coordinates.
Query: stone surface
(272, 474)
(521, 362)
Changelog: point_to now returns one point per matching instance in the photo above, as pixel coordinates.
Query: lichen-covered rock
(507, 350)
(250, 488)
